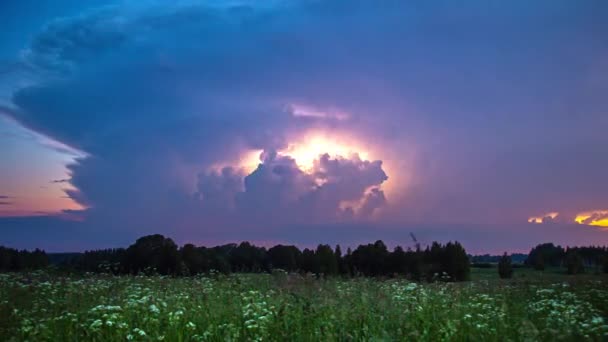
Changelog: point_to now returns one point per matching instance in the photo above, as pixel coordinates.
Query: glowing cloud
(306, 151)
(543, 218)
(593, 218)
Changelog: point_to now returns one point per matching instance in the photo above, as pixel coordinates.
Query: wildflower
(96, 324)
(139, 332)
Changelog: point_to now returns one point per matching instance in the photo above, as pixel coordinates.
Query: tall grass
(257, 307)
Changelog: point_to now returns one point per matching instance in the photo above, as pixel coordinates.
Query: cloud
(279, 192)
(596, 216)
(471, 122)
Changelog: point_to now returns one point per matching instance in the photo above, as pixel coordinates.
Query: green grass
(544, 306)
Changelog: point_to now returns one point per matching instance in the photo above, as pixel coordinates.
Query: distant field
(549, 274)
(243, 307)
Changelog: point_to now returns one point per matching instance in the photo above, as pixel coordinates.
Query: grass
(534, 305)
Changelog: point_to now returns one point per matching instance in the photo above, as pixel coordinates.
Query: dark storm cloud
(491, 111)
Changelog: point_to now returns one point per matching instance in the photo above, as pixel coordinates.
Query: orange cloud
(593, 218)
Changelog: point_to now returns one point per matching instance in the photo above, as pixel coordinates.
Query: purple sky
(209, 122)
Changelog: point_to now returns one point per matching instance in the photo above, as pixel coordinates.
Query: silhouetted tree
(370, 260)
(457, 264)
(398, 262)
(574, 262)
(284, 257)
(308, 262)
(546, 254)
(342, 266)
(12, 260)
(505, 268)
(248, 258)
(347, 261)
(153, 252)
(326, 260)
(449, 262)
(194, 259)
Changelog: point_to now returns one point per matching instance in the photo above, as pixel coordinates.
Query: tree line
(159, 254)
(12, 260)
(574, 259)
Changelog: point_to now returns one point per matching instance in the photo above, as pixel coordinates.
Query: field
(246, 307)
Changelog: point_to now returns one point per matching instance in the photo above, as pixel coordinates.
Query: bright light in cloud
(542, 218)
(593, 218)
(250, 160)
(306, 151)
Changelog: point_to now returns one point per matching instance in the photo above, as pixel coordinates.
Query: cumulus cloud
(278, 191)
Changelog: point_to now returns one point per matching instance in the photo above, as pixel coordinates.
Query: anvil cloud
(474, 116)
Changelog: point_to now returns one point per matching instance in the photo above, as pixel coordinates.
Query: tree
(308, 262)
(505, 268)
(284, 257)
(457, 264)
(15, 260)
(574, 262)
(370, 259)
(248, 258)
(538, 262)
(193, 259)
(342, 266)
(326, 259)
(398, 261)
(154, 252)
(546, 254)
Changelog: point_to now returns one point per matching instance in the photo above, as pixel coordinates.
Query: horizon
(303, 122)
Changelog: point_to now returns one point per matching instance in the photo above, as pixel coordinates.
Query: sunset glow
(593, 218)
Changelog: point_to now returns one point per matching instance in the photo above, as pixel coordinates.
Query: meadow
(545, 306)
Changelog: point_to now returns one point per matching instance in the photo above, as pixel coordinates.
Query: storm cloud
(472, 114)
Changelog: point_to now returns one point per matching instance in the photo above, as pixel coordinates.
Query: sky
(304, 122)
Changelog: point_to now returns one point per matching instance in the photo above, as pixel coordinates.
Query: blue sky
(206, 121)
